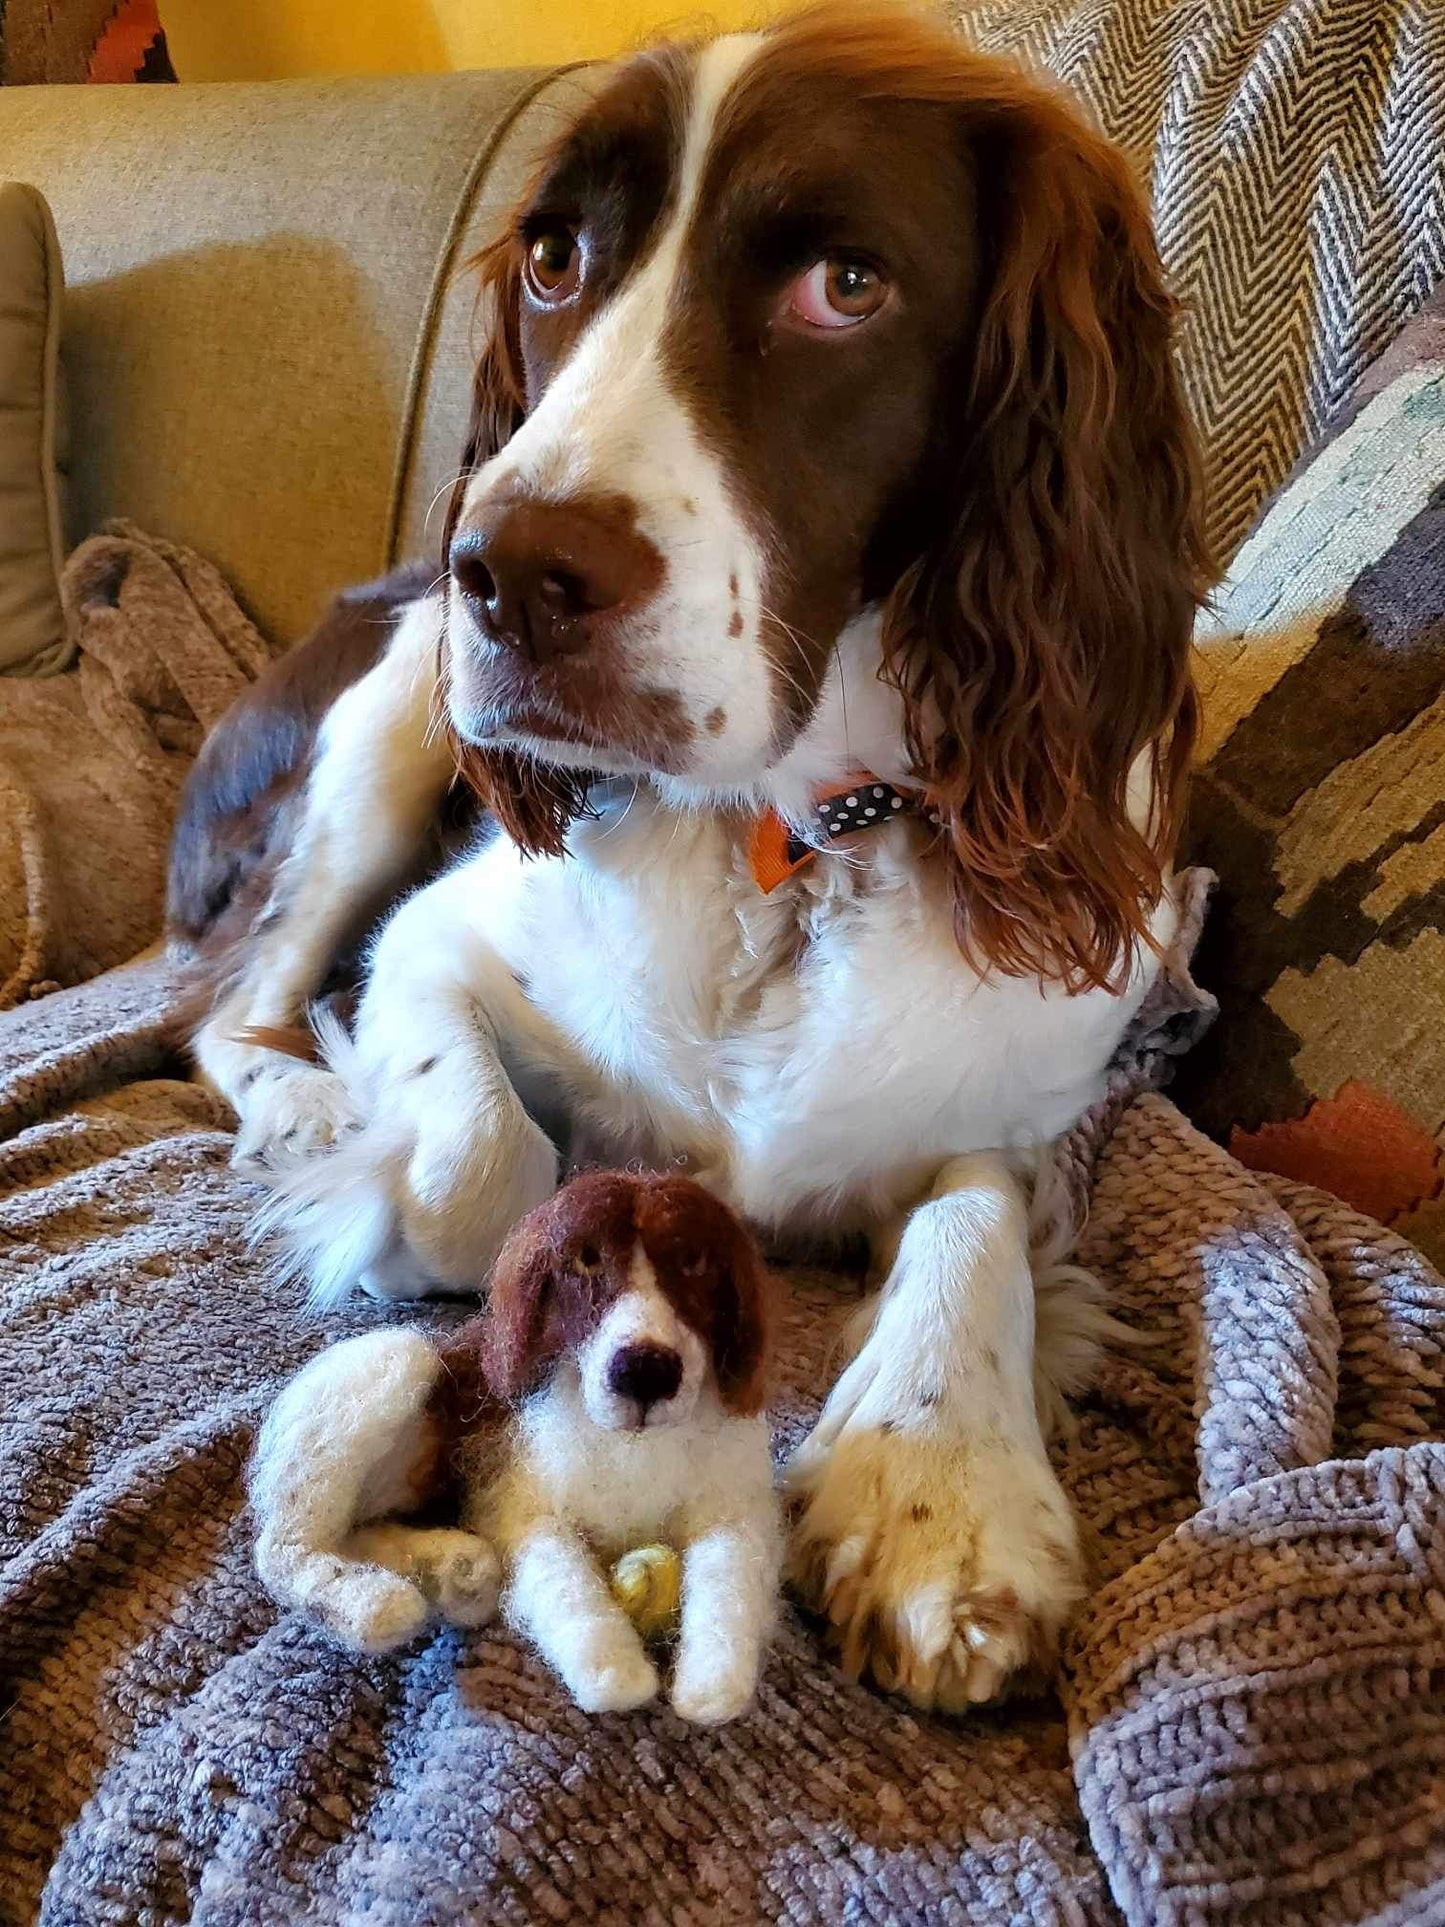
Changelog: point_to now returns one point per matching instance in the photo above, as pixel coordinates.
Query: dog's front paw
(946, 1563)
(419, 1200)
(614, 1677)
(471, 1170)
(288, 1114)
(363, 1607)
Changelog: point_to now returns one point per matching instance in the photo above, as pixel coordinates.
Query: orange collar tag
(776, 852)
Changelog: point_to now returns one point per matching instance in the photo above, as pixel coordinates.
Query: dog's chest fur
(767, 1038)
(621, 1489)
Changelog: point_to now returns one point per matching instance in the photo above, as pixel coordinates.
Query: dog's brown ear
(523, 1330)
(499, 398)
(742, 1324)
(709, 1264)
(1042, 644)
(534, 804)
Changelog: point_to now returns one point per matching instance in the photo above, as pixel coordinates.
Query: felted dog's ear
(523, 1335)
(742, 1319)
(708, 1263)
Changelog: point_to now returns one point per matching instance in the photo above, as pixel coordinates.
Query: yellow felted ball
(647, 1585)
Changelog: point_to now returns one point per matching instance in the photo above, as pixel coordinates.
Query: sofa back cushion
(31, 543)
(266, 323)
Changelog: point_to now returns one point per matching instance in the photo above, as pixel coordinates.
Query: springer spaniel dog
(815, 633)
(610, 1395)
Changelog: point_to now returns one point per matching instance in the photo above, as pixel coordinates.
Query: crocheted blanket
(1250, 1727)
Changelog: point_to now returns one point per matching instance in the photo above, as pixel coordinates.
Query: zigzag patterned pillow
(1295, 157)
(1321, 804)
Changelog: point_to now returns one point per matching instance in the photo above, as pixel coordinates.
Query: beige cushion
(259, 342)
(31, 552)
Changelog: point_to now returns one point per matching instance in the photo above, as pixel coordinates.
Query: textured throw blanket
(1252, 1723)
(92, 762)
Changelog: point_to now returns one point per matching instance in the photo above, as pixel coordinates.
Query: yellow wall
(266, 39)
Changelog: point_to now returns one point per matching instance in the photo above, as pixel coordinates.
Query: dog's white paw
(456, 1572)
(614, 1676)
(946, 1563)
(708, 1695)
(364, 1607)
(468, 1581)
(422, 1198)
(472, 1168)
(290, 1113)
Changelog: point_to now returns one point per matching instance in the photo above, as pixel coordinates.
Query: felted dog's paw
(456, 1572)
(468, 1582)
(710, 1696)
(946, 1565)
(369, 1610)
(614, 1681)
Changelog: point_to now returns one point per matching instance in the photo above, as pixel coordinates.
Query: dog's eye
(838, 291)
(554, 265)
(588, 1258)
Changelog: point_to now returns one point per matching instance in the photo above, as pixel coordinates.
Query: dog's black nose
(644, 1371)
(540, 575)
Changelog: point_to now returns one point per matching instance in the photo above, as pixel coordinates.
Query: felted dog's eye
(838, 291)
(554, 265)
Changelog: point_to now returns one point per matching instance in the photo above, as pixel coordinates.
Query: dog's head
(648, 1283)
(840, 323)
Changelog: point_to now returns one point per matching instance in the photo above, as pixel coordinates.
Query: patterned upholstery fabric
(1322, 806)
(1295, 155)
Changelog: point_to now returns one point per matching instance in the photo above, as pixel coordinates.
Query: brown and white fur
(610, 1396)
(827, 420)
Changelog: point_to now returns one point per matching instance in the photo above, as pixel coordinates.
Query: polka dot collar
(866, 804)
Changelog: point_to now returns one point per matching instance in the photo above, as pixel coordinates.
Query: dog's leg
(558, 1599)
(346, 1441)
(729, 1594)
(933, 1532)
(380, 768)
(457, 1571)
(422, 1197)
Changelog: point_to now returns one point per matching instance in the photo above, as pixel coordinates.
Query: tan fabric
(91, 762)
(31, 287)
(252, 273)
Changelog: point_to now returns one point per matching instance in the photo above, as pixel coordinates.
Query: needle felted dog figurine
(609, 1397)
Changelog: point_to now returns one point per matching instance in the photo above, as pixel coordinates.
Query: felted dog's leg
(457, 1571)
(557, 1598)
(347, 1441)
(729, 1589)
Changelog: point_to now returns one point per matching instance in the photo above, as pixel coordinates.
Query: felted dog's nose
(540, 575)
(644, 1371)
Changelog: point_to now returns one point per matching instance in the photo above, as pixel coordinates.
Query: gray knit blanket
(1250, 1726)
